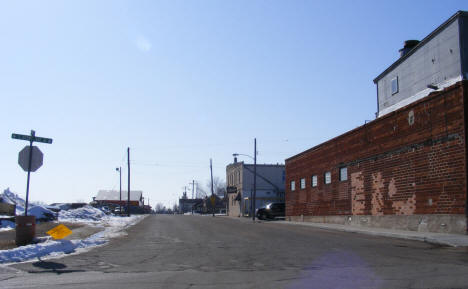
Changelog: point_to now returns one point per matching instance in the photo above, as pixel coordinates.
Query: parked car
(271, 211)
(105, 209)
(117, 210)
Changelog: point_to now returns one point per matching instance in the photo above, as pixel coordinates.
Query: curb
(451, 240)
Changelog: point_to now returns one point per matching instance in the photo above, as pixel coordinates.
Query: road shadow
(51, 267)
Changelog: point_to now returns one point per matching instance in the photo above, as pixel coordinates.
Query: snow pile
(11, 198)
(6, 225)
(41, 213)
(114, 226)
(84, 214)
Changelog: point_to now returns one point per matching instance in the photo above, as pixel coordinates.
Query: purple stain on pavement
(337, 270)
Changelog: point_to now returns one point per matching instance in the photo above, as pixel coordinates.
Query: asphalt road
(205, 252)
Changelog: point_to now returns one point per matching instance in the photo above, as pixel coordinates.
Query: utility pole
(255, 179)
(193, 189)
(128, 198)
(119, 169)
(213, 201)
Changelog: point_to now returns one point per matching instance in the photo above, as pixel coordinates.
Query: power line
(173, 164)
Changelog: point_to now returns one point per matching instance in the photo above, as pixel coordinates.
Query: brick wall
(411, 161)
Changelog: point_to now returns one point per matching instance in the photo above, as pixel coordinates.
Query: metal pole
(193, 189)
(128, 192)
(120, 199)
(212, 191)
(33, 133)
(255, 179)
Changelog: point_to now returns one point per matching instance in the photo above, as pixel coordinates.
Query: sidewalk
(453, 240)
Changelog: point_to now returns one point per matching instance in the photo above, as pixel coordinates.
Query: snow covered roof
(112, 195)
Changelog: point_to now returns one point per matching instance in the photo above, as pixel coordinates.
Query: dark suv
(271, 211)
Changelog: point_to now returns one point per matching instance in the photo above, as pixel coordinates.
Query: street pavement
(175, 251)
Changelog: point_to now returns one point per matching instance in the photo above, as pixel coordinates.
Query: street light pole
(213, 201)
(119, 169)
(255, 179)
(193, 189)
(128, 196)
(252, 198)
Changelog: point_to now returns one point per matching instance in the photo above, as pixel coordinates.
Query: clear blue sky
(181, 82)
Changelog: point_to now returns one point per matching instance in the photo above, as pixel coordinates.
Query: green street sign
(33, 138)
(21, 136)
(42, 139)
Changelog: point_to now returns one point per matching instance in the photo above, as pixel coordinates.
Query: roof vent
(408, 45)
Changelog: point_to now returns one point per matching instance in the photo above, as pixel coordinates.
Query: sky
(180, 82)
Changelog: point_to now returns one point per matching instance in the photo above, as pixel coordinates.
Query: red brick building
(405, 170)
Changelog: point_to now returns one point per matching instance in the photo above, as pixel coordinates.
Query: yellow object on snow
(59, 232)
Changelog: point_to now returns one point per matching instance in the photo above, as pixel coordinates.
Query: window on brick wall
(343, 174)
(303, 183)
(293, 185)
(327, 177)
(314, 180)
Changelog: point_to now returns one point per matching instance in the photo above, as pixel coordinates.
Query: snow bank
(114, 226)
(84, 214)
(6, 225)
(40, 212)
(11, 198)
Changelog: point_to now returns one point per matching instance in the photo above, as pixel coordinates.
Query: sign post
(30, 157)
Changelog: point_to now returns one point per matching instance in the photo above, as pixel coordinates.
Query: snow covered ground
(6, 226)
(113, 226)
(40, 212)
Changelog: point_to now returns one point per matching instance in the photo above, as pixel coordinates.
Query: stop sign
(36, 160)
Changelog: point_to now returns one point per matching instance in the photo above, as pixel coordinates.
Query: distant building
(216, 205)
(240, 186)
(112, 197)
(187, 205)
(438, 61)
